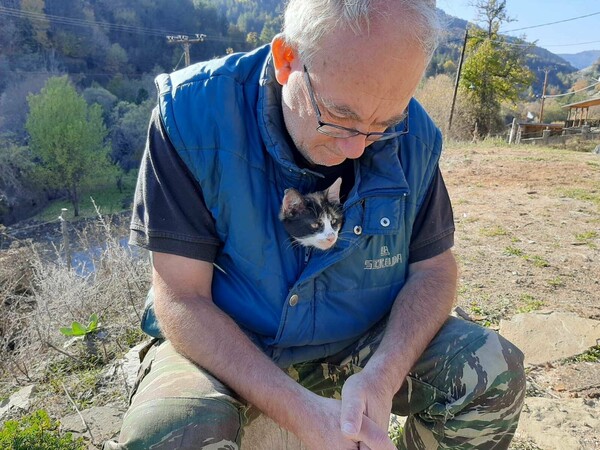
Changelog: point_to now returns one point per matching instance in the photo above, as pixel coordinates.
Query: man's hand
(322, 430)
(419, 311)
(365, 399)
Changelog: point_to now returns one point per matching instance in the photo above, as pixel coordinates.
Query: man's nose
(352, 147)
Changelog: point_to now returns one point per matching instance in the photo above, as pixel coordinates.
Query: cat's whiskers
(292, 243)
(341, 237)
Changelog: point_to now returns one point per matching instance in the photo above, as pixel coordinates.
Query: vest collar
(271, 123)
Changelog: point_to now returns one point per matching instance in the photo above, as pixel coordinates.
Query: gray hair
(306, 22)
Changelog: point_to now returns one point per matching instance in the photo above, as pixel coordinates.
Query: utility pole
(544, 95)
(460, 62)
(186, 41)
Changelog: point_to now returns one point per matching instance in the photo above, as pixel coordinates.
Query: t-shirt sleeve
(433, 230)
(169, 213)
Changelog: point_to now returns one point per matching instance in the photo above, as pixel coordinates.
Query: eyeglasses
(338, 131)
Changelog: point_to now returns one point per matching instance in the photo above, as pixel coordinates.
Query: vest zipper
(307, 252)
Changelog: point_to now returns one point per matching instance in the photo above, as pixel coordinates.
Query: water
(84, 261)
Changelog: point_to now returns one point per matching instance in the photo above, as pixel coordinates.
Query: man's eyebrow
(394, 120)
(346, 112)
(342, 110)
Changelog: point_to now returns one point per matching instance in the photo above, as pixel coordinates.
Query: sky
(569, 37)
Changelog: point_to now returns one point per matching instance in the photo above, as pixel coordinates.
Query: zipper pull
(306, 255)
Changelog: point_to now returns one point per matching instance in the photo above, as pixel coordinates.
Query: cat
(315, 219)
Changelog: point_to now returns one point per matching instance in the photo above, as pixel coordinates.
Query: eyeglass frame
(379, 136)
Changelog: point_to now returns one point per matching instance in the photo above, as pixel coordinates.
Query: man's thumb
(351, 417)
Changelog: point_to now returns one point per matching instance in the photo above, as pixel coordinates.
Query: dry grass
(39, 294)
(435, 94)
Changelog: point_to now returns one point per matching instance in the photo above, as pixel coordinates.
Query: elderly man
(326, 343)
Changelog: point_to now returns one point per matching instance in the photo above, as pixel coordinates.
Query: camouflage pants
(466, 391)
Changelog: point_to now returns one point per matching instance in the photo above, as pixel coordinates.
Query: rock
(596, 150)
(263, 434)
(20, 399)
(549, 337)
(104, 423)
(566, 424)
(127, 367)
(131, 364)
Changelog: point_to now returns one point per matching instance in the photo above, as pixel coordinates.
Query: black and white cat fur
(315, 219)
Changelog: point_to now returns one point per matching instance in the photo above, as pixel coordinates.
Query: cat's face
(313, 220)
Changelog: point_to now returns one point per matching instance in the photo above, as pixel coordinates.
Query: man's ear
(283, 56)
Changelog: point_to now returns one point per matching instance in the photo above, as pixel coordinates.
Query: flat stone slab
(104, 423)
(126, 368)
(565, 424)
(264, 434)
(131, 364)
(550, 337)
(19, 400)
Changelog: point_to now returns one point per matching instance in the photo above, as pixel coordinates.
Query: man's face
(357, 83)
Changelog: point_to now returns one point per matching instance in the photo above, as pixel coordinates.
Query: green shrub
(37, 431)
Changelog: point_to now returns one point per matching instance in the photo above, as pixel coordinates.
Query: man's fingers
(351, 415)
(374, 437)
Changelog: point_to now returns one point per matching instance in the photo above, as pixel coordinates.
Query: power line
(63, 20)
(81, 22)
(62, 72)
(513, 44)
(552, 23)
(526, 44)
(574, 92)
(536, 44)
(570, 45)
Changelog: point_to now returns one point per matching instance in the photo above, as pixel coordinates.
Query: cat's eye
(315, 225)
(334, 222)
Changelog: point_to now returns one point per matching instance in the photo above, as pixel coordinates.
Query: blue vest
(224, 119)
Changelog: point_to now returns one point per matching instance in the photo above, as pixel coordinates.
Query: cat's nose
(330, 238)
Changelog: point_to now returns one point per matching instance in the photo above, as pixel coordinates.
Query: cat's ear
(333, 192)
(292, 202)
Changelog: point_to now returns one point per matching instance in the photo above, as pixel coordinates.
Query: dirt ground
(527, 228)
(528, 239)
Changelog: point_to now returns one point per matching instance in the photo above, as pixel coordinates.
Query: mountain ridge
(581, 60)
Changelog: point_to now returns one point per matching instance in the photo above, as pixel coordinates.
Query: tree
(128, 133)
(16, 166)
(116, 59)
(494, 70)
(68, 137)
(13, 103)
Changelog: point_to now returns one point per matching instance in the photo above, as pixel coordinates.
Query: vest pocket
(345, 314)
(384, 215)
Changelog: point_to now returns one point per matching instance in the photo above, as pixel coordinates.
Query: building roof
(584, 104)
